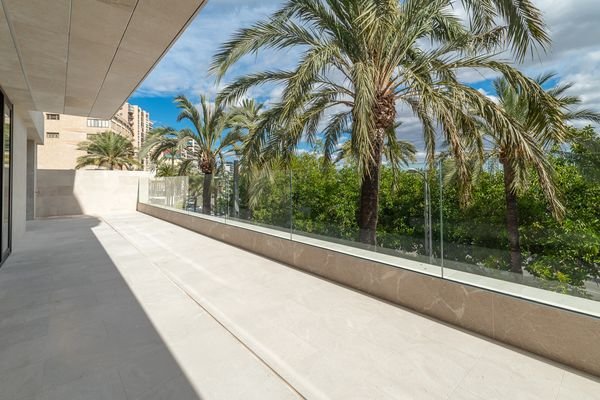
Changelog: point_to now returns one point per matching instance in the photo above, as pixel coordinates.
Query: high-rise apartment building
(138, 120)
(63, 133)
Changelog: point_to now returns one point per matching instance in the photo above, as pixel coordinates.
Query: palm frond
(107, 149)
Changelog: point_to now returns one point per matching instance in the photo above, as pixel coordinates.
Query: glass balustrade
(426, 222)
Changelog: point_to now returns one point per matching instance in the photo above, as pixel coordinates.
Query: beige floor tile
(21, 383)
(579, 387)
(320, 335)
(101, 321)
(131, 312)
(103, 385)
(511, 375)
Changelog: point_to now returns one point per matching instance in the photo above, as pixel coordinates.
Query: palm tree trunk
(512, 220)
(206, 197)
(384, 113)
(369, 194)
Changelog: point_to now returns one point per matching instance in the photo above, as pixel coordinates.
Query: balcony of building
(128, 306)
(131, 287)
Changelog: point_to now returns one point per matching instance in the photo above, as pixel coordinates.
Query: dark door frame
(5, 101)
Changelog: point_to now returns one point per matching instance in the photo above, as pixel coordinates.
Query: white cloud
(184, 69)
(489, 96)
(574, 56)
(575, 53)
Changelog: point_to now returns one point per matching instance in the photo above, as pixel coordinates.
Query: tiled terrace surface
(131, 307)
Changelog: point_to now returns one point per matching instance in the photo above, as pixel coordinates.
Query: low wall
(90, 192)
(560, 335)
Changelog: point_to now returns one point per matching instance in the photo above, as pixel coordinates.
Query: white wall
(89, 192)
(19, 202)
(31, 181)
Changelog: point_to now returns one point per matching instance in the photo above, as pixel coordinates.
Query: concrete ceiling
(84, 57)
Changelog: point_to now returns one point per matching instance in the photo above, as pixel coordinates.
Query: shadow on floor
(71, 328)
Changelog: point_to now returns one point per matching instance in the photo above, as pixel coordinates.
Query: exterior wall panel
(89, 192)
(19, 173)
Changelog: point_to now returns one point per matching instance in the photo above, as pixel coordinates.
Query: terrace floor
(132, 307)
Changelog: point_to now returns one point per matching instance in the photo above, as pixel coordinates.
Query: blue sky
(184, 69)
(575, 57)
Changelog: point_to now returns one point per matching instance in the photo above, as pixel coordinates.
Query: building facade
(63, 133)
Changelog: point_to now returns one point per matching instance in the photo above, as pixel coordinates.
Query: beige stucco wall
(19, 194)
(90, 192)
(61, 152)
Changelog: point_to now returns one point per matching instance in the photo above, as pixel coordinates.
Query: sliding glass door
(6, 178)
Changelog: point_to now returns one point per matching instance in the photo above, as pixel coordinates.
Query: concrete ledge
(560, 335)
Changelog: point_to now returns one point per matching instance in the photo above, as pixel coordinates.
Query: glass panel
(262, 198)
(221, 192)
(425, 222)
(206, 195)
(194, 198)
(556, 256)
(6, 180)
(409, 215)
(176, 190)
(475, 234)
(168, 192)
(325, 202)
(233, 190)
(327, 205)
(157, 192)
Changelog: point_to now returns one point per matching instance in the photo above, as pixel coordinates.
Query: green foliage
(165, 169)
(568, 252)
(270, 204)
(107, 150)
(585, 152)
(325, 202)
(402, 211)
(355, 62)
(325, 198)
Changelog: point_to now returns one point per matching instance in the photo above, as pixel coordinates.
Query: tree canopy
(107, 150)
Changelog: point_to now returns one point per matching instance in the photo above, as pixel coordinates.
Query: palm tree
(397, 153)
(166, 169)
(245, 120)
(109, 150)
(543, 133)
(210, 139)
(246, 116)
(160, 141)
(162, 144)
(362, 58)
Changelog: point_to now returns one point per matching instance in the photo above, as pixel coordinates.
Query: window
(91, 136)
(98, 123)
(53, 116)
(52, 135)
